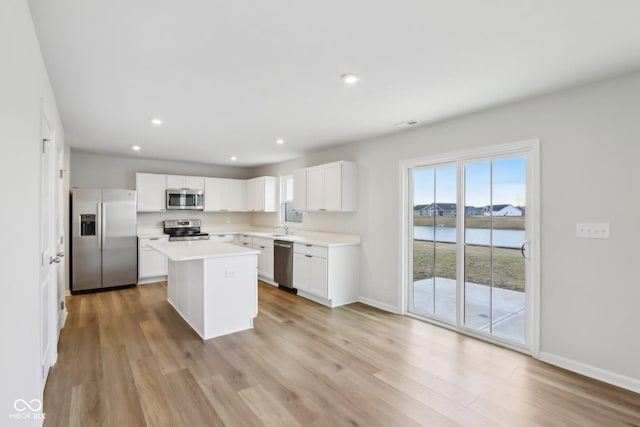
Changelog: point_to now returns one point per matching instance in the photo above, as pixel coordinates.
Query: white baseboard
(592, 371)
(380, 305)
(67, 293)
(149, 280)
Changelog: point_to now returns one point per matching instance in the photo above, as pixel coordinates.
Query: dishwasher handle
(281, 244)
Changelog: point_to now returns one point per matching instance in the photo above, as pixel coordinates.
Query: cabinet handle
(309, 256)
(154, 238)
(308, 245)
(222, 235)
(224, 210)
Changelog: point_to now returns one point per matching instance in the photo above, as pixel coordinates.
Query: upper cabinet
(151, 189)
(191, 182)
(224, 195)
(330, 187)
(300, 190)
(261, 194)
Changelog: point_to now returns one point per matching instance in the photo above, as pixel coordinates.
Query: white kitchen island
(212, 285)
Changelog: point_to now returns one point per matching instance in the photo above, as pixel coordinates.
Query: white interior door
(49, 259)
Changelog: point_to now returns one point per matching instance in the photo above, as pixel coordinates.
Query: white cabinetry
(222, 238)
(151, 190)
(243, 240)
(152, 265)
(326, 275)
(262, 194)
(224, 195)
(265, 259)
(331, 187)
(180, 181)
(300, 190)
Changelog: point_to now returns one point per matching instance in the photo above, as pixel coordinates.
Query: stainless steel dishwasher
(283, 264)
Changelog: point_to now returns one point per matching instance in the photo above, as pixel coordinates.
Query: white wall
(589, 163)
(23, 85)
(90, 170)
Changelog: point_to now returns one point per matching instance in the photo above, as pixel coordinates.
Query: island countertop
(199, 249)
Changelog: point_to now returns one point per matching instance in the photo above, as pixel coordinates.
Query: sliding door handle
(523, 250)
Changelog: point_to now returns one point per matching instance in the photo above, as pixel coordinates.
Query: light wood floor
(128, 359)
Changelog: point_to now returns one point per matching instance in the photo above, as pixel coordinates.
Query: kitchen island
(212, 285)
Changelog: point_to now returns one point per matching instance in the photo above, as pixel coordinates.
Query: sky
(509, 177)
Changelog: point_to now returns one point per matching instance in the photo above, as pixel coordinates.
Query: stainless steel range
(184, 229)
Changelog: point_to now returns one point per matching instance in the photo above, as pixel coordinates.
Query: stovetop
(184, 229)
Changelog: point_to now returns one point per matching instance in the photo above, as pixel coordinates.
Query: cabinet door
(151, 263)
(233, 195)
(193, 182)
(300, 190)
(181, 181)
(315, 189)
(251, 197)
(301, 272)
(151, 189)
(175, 181)
(212, 194)
(332, 187)
(269, 194)
(318, 279)
(265, 259)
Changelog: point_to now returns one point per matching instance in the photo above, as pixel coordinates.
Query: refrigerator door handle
(103, 223)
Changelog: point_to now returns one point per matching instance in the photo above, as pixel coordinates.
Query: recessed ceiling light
(280, 141)
(234, 158)
(350, 78)
(156, 121)
(135, 147)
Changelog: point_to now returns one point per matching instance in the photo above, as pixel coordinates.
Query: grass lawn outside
(508, 264)
(499, 222)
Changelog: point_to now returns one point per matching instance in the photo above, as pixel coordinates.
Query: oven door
(185, 199)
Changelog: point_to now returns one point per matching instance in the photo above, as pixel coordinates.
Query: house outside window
(287, 214)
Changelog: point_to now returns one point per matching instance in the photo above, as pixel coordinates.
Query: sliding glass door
(434, 242)
(470, 254)
(494, 240)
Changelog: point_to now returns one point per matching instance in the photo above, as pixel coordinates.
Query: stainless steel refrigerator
(104, 242)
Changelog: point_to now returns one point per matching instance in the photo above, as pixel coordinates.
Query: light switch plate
(593, 230)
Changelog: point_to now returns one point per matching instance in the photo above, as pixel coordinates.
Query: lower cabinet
(265, 259)
(152, 265)
(327, 275)
(310, 274)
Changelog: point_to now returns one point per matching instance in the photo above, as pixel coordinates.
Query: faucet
(285, 227)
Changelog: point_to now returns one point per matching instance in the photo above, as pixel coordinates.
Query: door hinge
(61, 305)
(61, 173)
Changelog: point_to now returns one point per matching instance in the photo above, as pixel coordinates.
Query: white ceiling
(230, 77)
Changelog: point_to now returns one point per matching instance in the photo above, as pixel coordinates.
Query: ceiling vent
(406, 124)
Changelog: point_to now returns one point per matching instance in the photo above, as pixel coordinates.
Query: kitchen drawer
(313, 250)
(142, 241)
(260, 242)
(243, 238)
(221, 237)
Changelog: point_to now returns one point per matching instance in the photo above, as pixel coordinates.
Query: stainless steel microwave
(182, 198)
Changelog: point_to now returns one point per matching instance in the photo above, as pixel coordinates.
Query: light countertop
(309, 238)
(199, 249)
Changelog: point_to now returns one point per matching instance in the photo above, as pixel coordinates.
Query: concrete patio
(508, 306)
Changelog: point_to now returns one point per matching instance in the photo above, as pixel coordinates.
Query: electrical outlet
(228, 219)
(593, 230)
(385, 284)
(230, 273)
